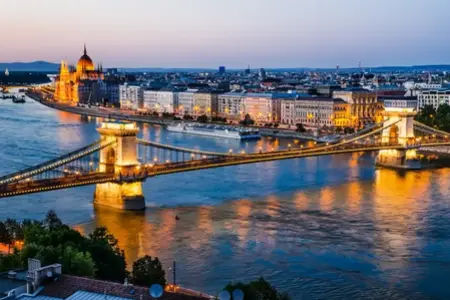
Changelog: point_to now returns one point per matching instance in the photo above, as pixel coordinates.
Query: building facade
(167, 101)
(364, 105)
(205, 103)
(186, 102)
(67, 84)
(131, 96)
(231, 105)
(150, 100)
(113, 94)
(315, 112)
(433, 97)
(91, 92)
(258, 106)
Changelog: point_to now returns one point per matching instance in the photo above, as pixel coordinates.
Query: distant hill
(43, 66)
(35, 66)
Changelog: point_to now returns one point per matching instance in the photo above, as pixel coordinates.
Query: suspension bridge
(119, 162)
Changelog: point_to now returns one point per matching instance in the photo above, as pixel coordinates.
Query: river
(331, 227)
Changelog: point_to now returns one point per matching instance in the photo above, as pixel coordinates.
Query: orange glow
(69, 79)
(326, 199)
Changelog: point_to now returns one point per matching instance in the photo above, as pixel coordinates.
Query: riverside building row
(346, 108)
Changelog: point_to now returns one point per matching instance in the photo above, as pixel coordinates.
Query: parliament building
(80, 83)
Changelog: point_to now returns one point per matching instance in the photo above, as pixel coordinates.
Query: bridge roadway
(144, 171)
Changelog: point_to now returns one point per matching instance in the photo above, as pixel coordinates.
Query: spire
(85, 52)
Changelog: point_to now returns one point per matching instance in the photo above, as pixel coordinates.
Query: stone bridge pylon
(119, 158)
(399, 122)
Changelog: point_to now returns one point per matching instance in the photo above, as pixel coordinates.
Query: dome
(85, 62)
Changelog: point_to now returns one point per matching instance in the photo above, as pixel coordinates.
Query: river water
(319, 228)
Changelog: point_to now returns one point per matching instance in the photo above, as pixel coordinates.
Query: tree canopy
(97, 255)
(147, 271)
(439, 119)
(259, 289)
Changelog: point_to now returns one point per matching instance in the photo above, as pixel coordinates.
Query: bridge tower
(120, 158)
(399, 116)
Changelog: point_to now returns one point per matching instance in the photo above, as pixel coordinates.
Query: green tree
(202, 119)
(10, 262)
(259, 289)
(427, 116)
(107, 256)
(77, 263)
(147, 271)
(52, 221)
(247, 120)
(10, 232)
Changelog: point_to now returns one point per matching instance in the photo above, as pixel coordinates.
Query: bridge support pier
(398, 159)
(124, 196)
(120, 158)
(399, 119)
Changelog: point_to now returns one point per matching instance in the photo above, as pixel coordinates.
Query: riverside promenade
(129, 115)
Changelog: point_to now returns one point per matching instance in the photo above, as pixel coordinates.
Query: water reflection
(368, 227)
(328, 227)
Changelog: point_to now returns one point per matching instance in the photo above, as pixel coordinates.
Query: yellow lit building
(364, 105)
(70, 78)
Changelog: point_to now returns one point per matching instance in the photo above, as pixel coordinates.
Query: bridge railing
(54, 163)
(181, 149)
(429, 129)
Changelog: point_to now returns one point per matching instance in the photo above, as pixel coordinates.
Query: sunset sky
(234, 33)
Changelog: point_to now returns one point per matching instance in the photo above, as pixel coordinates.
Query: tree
(202, 119)
(188, 117)
(300, 127)
(258, 290)
(247, 120)
(77, 263)
(107, 256)
(10, 232)
(147, 271)
(52, 221)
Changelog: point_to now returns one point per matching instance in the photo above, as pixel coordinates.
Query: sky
(232, 33)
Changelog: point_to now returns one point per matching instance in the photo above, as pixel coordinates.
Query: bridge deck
(68, 181)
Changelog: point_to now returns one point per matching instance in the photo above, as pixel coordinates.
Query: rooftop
(7, 284)
(397, 98)
(78, 288)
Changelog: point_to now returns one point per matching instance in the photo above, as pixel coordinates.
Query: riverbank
(118, 114)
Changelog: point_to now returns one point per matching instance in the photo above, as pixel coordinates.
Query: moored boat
(231, 132)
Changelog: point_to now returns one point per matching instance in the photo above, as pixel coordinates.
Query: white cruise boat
(240, 133)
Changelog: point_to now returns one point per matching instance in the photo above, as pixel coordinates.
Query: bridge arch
(110, 159)
(394, 133)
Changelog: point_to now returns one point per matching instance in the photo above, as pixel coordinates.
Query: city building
(91, 91)
(67, 84)
(131, 96)
(327, 90)
(231, 105)
(222, 70)
(167, 100)
(112, 94)
(205, 103)
(150, 100)
(433, 97)
(186, 102)
(258, 106)
(364, 105)
(315, 112)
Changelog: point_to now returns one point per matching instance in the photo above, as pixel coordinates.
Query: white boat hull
(214, 133)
